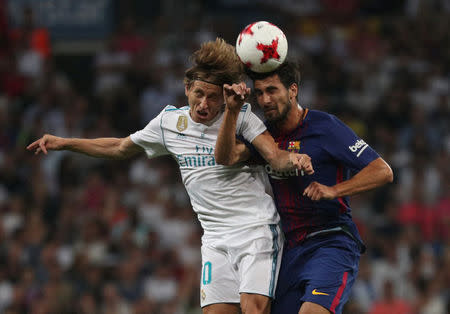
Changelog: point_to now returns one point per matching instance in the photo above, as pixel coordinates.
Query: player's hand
(234, 95)
(45, 143)
(316, 192)
(302, 162)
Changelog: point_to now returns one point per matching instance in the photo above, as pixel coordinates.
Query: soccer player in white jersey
(242, 242)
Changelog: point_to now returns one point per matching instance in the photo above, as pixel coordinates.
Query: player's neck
(293, 119)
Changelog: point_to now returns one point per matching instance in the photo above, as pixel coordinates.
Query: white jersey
(225, 198)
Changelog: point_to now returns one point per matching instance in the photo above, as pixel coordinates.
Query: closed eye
(271, 89)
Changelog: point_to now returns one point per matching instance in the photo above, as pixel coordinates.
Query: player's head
(276, 92)
(214, 64)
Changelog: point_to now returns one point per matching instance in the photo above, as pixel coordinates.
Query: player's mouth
(270, 110)
(202, 113)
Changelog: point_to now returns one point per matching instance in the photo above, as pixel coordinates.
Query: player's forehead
(206, 88)
(268, 82)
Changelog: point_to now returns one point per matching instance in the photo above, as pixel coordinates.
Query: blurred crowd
(84, 235)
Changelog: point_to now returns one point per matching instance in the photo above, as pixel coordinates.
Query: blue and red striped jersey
(336, 153)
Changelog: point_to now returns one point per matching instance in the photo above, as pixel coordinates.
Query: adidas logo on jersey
(280, 175)
(360, 144)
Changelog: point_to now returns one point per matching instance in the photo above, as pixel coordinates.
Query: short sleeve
(151, 138)
(249, 126)
(344, 145)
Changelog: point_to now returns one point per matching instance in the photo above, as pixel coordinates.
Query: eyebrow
(201, 90)
(268, 88)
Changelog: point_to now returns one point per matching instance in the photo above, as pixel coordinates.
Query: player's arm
(375, 174)
(108, 147)
(227, 152)
(373, 171)
(242, 152)
(281, 160)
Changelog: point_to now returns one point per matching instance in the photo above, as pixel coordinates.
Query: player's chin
(271, 115)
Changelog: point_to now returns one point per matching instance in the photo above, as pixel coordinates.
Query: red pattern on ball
(247, 31)
(269, 51)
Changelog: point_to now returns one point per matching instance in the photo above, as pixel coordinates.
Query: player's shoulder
(173, 111)
(172, 108)
(322, 118)
(318, 115)
(246, 107)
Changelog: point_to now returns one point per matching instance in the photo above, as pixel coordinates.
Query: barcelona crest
(294, 146)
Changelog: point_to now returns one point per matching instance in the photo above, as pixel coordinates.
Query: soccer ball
(262, 46)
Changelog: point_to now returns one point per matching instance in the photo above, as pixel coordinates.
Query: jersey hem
(212, 303)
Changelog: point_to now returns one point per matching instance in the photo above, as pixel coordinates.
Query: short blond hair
(215, 62)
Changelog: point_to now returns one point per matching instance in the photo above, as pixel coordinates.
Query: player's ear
(186, 90)
(293, 90)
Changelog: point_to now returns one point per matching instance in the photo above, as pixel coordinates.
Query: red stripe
(343, 207)
(339, 179)
(337, 298)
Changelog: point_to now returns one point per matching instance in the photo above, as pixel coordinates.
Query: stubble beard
(282, 116)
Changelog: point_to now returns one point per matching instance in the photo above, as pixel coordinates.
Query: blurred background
(83, 235)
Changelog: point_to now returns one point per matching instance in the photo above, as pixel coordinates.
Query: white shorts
(247, 261)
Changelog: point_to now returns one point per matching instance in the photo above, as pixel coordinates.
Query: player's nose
(203, 103)
(264, 100)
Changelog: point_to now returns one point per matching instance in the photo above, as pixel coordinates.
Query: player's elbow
(389, 174)
(226, 160)
(122, 150)
(386, 172)
(380, 172)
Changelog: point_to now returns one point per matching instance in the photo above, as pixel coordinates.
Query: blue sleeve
(345, 146)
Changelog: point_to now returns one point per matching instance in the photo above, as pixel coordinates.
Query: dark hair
(288, 72)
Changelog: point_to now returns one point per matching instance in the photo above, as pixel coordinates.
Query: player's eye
(213, 97)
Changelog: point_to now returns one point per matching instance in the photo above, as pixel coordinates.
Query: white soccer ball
(262, 46)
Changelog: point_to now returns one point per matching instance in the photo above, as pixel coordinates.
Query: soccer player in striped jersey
(323, 246)
(242, 242)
